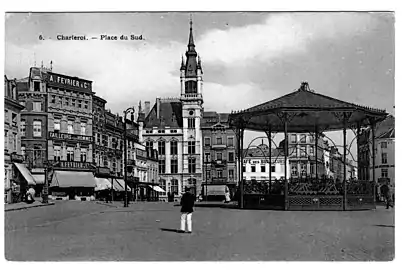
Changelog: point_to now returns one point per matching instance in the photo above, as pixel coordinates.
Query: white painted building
(256, 164)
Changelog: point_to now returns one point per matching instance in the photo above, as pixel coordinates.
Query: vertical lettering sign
(62, 81)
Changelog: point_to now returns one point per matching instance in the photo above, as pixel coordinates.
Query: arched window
(191, 87)
(175, 186)
(163, 185)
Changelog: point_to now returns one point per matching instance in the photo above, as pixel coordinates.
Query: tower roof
(191, 55)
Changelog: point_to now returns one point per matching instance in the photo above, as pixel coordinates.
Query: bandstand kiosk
(305, 111)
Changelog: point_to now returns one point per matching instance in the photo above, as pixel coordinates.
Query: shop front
(21, 181)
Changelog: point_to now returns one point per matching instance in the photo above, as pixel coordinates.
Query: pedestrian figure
(227, 195)
(386, 193)
(108, 195)
(187, 203)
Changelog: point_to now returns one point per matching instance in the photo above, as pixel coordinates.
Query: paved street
(90, 231)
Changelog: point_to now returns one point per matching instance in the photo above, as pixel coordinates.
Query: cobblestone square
(81, 231)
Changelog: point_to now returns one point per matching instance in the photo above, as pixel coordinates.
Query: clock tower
(191, 78)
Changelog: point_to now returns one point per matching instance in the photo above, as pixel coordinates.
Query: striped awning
(157, 188)
(102, 184)
(122, 184)
(118, 184)
(25, 173)
(39, 179)
(66, 179)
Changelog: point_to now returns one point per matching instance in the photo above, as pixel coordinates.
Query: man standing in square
(187, 203)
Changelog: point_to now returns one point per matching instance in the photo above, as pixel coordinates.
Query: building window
(161, 147)
(293, 138)
(70, 129)
(303, 169)
(303, 138)
(192, 147)
(384, 145)
(175, 186)
(172, 131)
(161, 166)
(149, 131)
(208, 175)
(243, 168)
(273, 168)
(384, 173)
(70, 154)
(207, 141)
(263, 168)
(37, 128)
(231, 174)
(219, 156)
(22, 128)
(231, 156)
(174, 166)
(23, 151)
(230, 141)
(67, 102)
(6, 139)
(83, 155)
(53, 99)
(311, 168)
(56, 153)
(60, 100)
(56, 123)
(302, 151)
(219, 140)
(85, 104)
(79, 103)
(311, 138)
(192, 165)
(23, 104)
(174, 147)
(163, 185)
(37, 86)
(6, 116)
(191, 122)
(82, 128)
(384, 158)
(294, 169)
(73, 102)
(37, 106)
(253, 168)
(14, 142)
(207, 157)
(149, 146)
(114, 165)
(219, 174)
(161, 131)
(311, 149)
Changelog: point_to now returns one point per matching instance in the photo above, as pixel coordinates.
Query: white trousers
(186, 218)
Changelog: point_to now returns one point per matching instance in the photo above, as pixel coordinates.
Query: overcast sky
(248, 58)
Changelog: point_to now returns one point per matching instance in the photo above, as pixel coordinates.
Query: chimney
(158, 107)
(146, 108)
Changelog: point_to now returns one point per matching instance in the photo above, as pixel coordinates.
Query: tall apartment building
(219, 148)
(172, 127)
(14, 175)
(32, 93)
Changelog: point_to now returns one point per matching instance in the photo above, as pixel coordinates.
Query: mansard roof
(262, 151)
(170, 115)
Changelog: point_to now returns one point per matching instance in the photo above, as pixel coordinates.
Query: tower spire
(191, 54)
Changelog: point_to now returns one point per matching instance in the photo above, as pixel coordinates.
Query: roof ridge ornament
(305, 87)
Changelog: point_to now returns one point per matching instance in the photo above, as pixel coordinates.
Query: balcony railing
(68, 136)
(192, 96)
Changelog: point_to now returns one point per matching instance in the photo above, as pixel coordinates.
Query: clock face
(191, 112)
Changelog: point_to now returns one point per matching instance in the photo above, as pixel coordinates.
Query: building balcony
(218, 163)
(218, 146)
(191, 96)
(69, 137)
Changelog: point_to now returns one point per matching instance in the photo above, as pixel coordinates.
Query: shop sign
(103, 170)
(62, 80)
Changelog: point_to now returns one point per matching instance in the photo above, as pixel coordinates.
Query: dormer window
(37, 86)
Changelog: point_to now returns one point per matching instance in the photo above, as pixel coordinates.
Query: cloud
(281, 34)
(224, 98)
(120, 70)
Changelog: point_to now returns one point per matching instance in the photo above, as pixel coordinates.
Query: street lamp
(127, 111)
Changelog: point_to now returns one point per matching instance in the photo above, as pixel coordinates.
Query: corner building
(173, 128)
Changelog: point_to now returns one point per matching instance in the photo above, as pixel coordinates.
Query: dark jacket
(187, 202)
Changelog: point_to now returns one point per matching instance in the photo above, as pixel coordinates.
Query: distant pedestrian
(227, 195)
(108, 196)
(386, 193)
(187, 203)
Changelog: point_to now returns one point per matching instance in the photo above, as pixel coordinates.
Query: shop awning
(66, 179)
(39, 179)
(122, 184)
(102, 184)
(215, 190)
(157, 188)
(25, 173)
